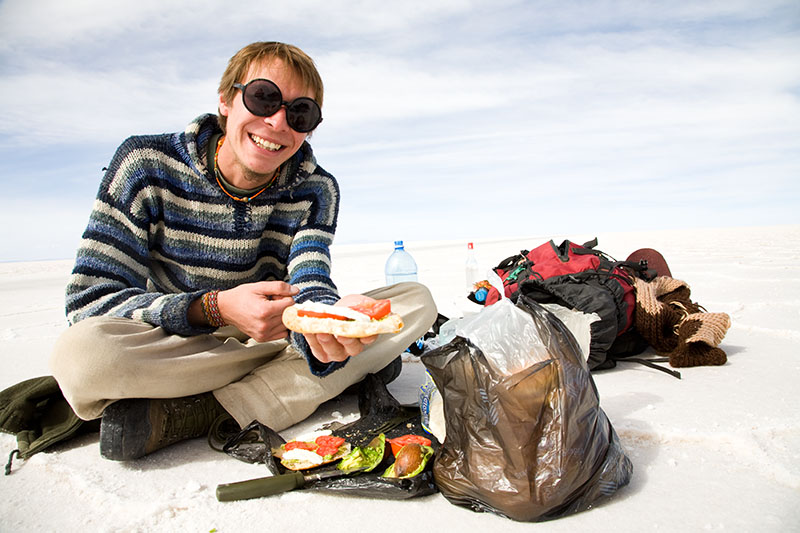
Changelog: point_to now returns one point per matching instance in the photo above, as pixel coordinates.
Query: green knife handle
(256, 488)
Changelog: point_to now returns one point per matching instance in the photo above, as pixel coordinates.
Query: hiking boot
(391, 371)
(130, 429)
(386, 374)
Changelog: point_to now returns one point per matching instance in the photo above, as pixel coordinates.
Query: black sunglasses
(263, 98)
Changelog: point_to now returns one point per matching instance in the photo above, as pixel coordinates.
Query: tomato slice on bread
(296, 444)
(305, 454)
(329, 441)
(375, 310)
(317, 314)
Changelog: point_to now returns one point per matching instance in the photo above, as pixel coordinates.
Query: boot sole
(125, 429)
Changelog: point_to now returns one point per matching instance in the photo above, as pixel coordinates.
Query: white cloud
(527, 59)
(55, 104)
(53, 22)
(447, 108)
(46, 23)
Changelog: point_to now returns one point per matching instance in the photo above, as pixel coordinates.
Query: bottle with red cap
(471, 268)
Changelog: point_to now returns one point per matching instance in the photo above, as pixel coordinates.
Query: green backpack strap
(36, 412)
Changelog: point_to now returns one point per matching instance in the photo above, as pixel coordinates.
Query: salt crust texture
(717, 450)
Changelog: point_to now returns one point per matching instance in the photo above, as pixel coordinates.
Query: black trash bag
(379, 412)
(525, 435)
(254, 444)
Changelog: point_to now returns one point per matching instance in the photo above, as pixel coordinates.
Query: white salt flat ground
(718, 450)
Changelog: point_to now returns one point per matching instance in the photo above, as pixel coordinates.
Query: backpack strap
(590, 244)
(511, 260)
(652, 364)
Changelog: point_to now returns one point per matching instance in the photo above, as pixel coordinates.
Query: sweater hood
(201, 130)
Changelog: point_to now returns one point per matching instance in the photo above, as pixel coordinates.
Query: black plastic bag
(525, 435)
(380, 413)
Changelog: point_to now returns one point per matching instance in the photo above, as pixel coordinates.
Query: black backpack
(583, 278)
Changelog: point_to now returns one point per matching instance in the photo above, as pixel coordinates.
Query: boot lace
(187, 418)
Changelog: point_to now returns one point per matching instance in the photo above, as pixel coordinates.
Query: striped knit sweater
(162, 233)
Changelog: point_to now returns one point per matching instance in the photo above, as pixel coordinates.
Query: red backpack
(579, 277)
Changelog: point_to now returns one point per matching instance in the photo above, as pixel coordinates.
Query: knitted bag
(677, 327)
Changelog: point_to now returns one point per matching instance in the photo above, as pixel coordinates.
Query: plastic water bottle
(400, 266)
(471, 268)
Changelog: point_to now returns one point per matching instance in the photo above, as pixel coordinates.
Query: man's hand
(329, 348)
(254, 308)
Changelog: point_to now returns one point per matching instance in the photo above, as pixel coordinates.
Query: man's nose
(278, 119)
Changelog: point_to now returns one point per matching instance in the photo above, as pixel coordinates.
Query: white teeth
(265, 144)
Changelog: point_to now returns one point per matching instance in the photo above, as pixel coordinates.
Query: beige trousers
(103, 359)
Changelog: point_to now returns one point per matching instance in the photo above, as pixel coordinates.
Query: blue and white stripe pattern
(162, 233)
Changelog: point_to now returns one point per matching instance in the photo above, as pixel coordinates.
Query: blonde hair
(262, 53)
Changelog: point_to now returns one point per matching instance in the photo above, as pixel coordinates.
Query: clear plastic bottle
(400, 266)
(471, 268)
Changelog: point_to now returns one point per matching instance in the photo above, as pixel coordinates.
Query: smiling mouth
(265, 144)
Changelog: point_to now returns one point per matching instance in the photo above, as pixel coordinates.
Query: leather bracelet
(211, 309)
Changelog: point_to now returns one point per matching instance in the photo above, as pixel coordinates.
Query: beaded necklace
(218, 175)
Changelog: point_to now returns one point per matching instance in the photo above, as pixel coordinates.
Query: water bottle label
(391, 279)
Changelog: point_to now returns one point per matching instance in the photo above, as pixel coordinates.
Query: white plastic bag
(490, 330)
(495, 326)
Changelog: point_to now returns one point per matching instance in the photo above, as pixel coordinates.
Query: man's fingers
(316, 349)
(351, 346)
(321, 347)
(354, 299)
(334, 349)
(326, 348)
(275, 290)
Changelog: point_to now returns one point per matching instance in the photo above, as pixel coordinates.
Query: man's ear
(223, 106)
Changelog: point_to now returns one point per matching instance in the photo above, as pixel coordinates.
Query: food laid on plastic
(411, 456)
(305, 454)
(397, 443)
(359, 473)
(359, 459)
(410, 460)
(364, 458)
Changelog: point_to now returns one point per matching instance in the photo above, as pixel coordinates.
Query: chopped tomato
(328, 444)
(298, 444)
(329, 440)
(375, 310)
(316, 314)
(322, 451)
(399, 442)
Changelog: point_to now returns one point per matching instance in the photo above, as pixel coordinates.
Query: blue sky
(443, 120)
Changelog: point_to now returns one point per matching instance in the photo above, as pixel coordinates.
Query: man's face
(255, 146)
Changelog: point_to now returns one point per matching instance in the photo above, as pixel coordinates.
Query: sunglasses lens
(262, 98)
(303, 115)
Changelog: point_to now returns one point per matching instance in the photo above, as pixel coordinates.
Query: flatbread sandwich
(311, 451)
(362, 320)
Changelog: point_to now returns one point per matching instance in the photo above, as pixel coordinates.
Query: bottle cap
(469, 246)
(398, 244)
